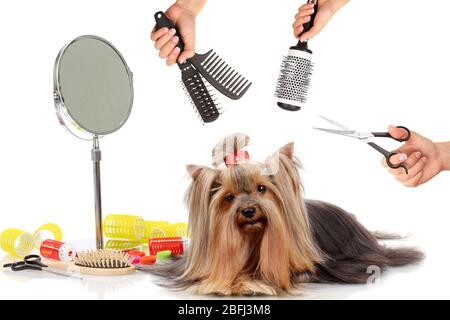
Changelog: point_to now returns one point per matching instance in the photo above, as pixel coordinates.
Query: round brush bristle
(103, 259)
(294, 80)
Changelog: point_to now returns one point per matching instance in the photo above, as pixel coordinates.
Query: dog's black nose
(249, 212)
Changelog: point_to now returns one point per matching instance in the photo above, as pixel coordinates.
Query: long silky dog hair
(252, 233)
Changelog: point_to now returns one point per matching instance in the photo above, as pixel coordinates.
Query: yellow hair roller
(135, 229)
(17, 242)
(182, 229)
(47, 231)
(126, 227)
(179, 229)
(155, 230)
(124, 245)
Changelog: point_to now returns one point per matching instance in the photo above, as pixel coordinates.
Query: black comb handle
(192, 81)
(162, 21)
(306, 27)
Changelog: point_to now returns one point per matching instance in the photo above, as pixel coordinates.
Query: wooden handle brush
(96, 263)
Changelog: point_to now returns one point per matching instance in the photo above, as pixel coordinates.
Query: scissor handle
(395, 166)
(22, 265)
(34, 260)
(388, 135)
(388, 155)
(31, 262)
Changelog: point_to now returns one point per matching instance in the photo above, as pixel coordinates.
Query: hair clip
(236, 158)
(229, 150)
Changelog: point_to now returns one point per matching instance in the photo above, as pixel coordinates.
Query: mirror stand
(96, 157)
(93, 93)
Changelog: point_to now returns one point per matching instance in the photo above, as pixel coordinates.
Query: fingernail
(175, 39)
(176, 50)
(418, 155)
(403, 157)
(308, 18)
(172, 32)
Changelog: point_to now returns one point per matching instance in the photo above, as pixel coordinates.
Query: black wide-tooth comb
(192, 81)
(220, 75)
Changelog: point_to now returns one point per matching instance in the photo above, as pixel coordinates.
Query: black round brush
(295, 72)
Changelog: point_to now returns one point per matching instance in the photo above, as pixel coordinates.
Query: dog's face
(247, 197)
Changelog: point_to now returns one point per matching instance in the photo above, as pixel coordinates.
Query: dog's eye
(261, 189)
(229, 197)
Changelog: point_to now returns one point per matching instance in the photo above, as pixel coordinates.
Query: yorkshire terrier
(253, 233)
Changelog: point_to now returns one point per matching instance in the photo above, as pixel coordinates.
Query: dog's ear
(195, 170)
(287, 150)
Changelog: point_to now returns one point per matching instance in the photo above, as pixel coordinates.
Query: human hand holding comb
(192, 82)
(182, 13)
(424, 158)
(202, 70)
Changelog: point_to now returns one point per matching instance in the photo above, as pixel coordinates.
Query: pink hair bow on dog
(229, 150)
(236, 158)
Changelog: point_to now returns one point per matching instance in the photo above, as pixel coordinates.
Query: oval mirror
(93, 87)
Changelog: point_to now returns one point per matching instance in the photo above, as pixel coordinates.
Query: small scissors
(366, 136)
(33, 262)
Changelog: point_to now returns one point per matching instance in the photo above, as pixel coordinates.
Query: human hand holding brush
(183, 14)
(424, 158)
(325, 11)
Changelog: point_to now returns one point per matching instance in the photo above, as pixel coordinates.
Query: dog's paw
(253, 288)
(243, 290)
(206, 288)
(223, 292)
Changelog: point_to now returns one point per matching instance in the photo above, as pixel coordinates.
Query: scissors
(366, 136)
(33, 262)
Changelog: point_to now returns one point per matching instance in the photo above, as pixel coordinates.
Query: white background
(376, 64)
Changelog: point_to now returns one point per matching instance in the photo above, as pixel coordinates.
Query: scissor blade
(348, 133)
(62, 273)
(363, 136)
(336, 124)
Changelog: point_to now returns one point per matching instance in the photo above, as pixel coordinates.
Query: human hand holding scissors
(367, 137)
(424, 158)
